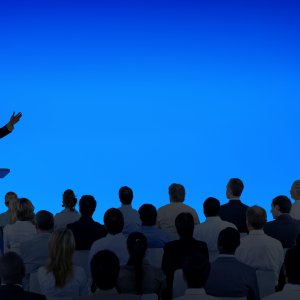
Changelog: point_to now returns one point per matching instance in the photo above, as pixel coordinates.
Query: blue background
(146, 93)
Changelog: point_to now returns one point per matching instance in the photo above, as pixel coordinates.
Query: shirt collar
(256, 232)
(200, 291)
(212, 219)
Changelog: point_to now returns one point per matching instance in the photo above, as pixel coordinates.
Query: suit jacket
(4, 131)
(230, 278)
(235, 212)
(14, 292)
(285, 229)
(86, 231)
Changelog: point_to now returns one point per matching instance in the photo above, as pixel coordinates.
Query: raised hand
(15, 118)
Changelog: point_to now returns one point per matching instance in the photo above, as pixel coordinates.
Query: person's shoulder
(163, 208)
(34, 296)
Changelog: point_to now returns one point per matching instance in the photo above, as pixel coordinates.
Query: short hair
(236, 186)
(256, 217)
(105, 268)
(44, 220)
(113, 221)
(228, 240)
(87, 205)
(125, 195)
(12, 269)
(196, 270)
(284, 204)
(69, 199)
(8, 196)
(292, 265)
(176, 192)
(148, 214)
(211, 207)
(296, 185)
(25, 210)
(184, 223)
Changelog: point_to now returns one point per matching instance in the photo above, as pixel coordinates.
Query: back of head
(176, 192)
(184, 223)
(256, 217)
(196, 270)
(9, 197)
(69, 199)
(228, 240)
(44, 220)
(211, 207)
(125, 195)
(105, 268)
(12, 269)
(292, 265)
(295, 190)
(113, 221)
(148, 214)
(137, 247)
(284, 204)
(235, 186)
(87, 205)
(25, 210)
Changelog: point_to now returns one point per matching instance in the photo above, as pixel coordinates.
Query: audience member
(167, 214)
(131, 216)
(284, 228)
(12, 272)
(209, 230)
(9, 127)
(295, 194)
(235, 211)
(59, 277)
(69, 214)
(115, 239)
(229, 277)
(156, 237)
(6, 217)
(86, 231)
(22, 230)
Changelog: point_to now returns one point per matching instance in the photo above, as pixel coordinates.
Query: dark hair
(125, 195)
(12, 269)
(184, 223)
(44, 220)
(211, 207)
(292, 265)
(228, 240)
(87, 205)
(137, 247)
(236, 186)
(25, 210)
(8, 194)
(284, 204)
(148, 214)
(113, 221)
(69, 199)
(105, 268)
(196, 269)
(176, 192)
(256, 217)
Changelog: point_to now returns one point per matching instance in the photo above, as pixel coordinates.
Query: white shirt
(261, 251)
(295, 210)
(65, 217)
(115, 243)
(132, 219)
(75, 286)
(196, 294)
(289, 292)
(15, 234)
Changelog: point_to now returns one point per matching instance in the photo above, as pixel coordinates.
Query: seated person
(6, 217)
(86, 231)
(295, 194)
(156, 237)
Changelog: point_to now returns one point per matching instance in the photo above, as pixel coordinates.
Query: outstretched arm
(10, 125)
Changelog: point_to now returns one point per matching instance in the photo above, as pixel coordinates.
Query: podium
(4, 172)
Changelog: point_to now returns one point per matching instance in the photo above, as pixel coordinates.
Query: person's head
(69, 199)
(295, 190)
(176, 192)
(234, 188)
(61, 247)
(87, 205)
(113, 221)
(292, 265)
(256, 218)
(24, 210)
(228, 240)
(105, 268)
(12, 269)
(10, 197)
(148, 214)
(280, 205)
(125, 195)
(196, 270)
(137, 247)
(44, 221)
(184, 224)
(211, 207)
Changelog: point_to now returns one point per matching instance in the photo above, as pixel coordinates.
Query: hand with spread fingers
(9, 127)
(15, 118)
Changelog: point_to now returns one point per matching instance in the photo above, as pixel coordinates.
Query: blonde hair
(61, 247)
(24, 210)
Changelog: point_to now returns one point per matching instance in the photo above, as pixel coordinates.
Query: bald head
(295, 190)
(256, 218)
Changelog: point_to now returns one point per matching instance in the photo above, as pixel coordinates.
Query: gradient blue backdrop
(146, 93)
